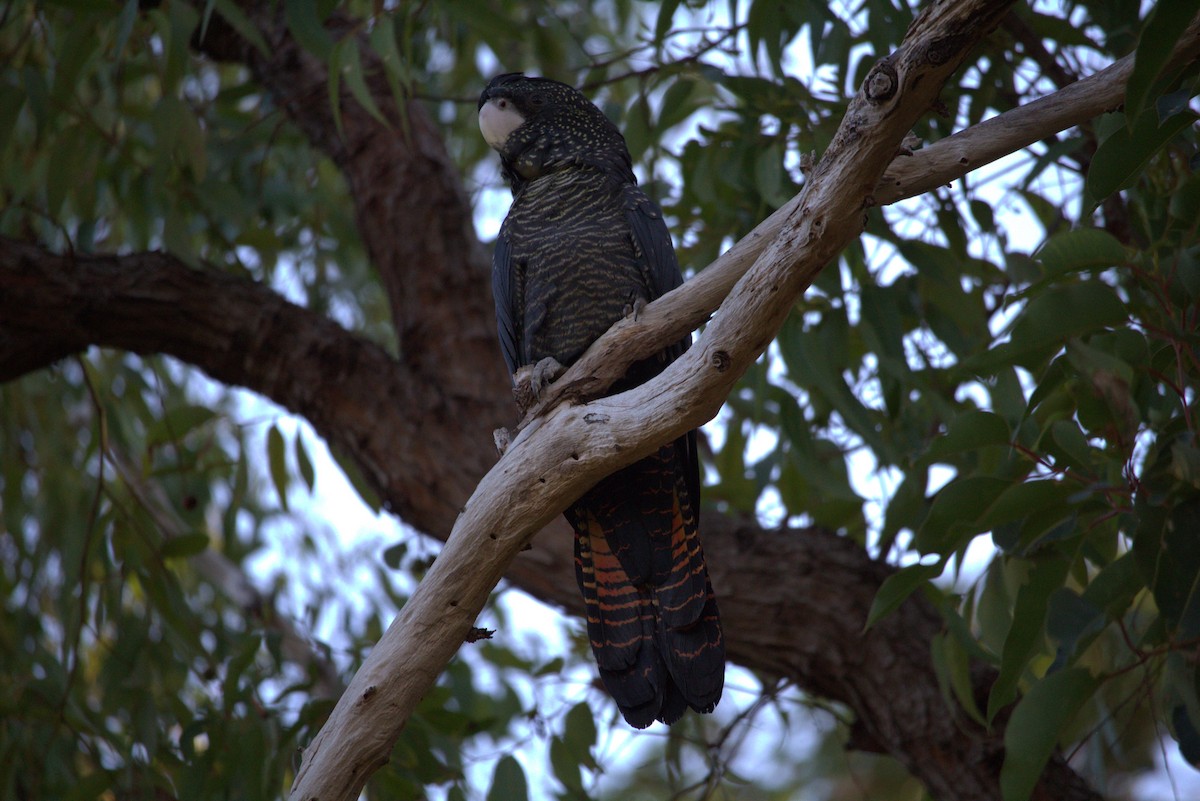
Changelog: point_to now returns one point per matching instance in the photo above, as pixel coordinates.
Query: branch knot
(943, 49)
(883, 82)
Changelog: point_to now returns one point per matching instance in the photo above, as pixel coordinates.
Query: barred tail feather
(691, 625)
(652, 617)
(620, 623)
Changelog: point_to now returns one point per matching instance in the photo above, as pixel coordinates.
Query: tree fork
(556, 457)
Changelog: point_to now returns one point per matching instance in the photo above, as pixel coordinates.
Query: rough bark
(415, 221)
(431, 404)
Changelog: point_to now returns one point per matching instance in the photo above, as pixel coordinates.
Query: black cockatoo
(581, 247)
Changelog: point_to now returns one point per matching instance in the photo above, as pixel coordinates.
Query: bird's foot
(532, 379)
(503, 437)
(634, 307)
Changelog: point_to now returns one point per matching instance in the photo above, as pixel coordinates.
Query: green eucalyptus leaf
(970, 431)
(508, 781)
(178, 422)
(277, 461)
(1124, 154)
(349, 63)
(1050, 319)
(896, 588)
(184, 546)
(956, 508)
(1164, 26)
(1079, 249)
(1036, 724)
(305, 24)
(240, 22)
(303, 462)
(1027, 634)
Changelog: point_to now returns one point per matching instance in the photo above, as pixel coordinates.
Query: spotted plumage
(582, 246)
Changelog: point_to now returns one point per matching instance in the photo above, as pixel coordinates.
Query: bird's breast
(578, 269)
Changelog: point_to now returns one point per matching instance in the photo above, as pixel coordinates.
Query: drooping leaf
(1167, 552)
(1071, 620)
(1049, 320)
(1164, 26)
(125, 21)
(954, 512)
(1035, 726)
(579, 732)
(1124, 154)
(303, 462)
(394, 554)
(347, 60)
(1073, 444)
(177, 423)
(277, 462)
(395, 65)
(1079, 249)
(953, 665)
(565, 766)
(662, 24)
(12, 99)
(508, 781)
(896, 588)
(184, 546)
(1114, 588)
(1027, 634)
(1023, 498)
(305, 24)
(679, 101)
(240, 22)
(970, 431)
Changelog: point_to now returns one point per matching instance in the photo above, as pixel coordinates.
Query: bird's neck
(534, 151)
(591, 177)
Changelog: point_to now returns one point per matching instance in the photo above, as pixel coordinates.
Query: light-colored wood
(557, 456)
(678, 313)
(953, 157)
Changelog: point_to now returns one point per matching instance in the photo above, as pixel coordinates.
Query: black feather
(580, 246)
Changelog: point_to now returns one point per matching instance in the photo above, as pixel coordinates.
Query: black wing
(504, 294)
(653, 243)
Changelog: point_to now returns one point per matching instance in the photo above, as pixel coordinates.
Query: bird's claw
(503, 437)
(530, 380)
(634, 307)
